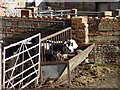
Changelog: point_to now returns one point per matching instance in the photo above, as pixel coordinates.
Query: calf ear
(65, 42)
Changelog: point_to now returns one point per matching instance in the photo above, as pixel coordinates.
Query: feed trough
(61, 68)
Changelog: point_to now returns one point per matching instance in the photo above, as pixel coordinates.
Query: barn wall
(105, 33)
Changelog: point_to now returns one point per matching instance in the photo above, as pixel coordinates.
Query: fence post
(94, 53)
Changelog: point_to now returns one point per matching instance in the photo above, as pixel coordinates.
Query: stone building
(86, 6)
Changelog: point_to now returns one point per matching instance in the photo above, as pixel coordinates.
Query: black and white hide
(56, 51)
(71, 45)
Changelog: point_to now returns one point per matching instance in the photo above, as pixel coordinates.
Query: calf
(55, 50)
(71, 44)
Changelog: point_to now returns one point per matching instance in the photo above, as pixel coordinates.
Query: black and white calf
(54, 49)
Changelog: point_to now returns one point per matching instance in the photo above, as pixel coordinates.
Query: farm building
(59, 45)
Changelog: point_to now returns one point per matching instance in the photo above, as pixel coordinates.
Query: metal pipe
(57, 33)
(50, 21)
(0, 66)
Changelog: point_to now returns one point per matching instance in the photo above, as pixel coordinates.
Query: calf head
(71, 44)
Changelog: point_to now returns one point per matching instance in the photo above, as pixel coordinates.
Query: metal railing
(21, 63)
(63, 12)
(54, 13)
(58, 37)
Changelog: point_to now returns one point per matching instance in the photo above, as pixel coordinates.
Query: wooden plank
(81, 57)
(69, 74)
(77, 59)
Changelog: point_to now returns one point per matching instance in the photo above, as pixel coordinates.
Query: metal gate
(21, 63)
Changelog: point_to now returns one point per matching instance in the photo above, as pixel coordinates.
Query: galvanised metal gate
(21, 63)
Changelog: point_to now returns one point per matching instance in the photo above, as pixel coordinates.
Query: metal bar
(55, 34)
(22, 62)
(53, 62)
(21, 41)
(58, 38)
(29, 82)
(0, 66)
(39, 61)
(21, 73)
(52, 44)
(44, 59)
(70, 34)
(4, 55)
(30, 57)
(24, 78)
(10, 82)
(22, 52)
(54, 11)
(66, 35)
(15, 62)
(41, 52)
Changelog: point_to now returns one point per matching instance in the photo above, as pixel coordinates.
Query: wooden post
(69, 74)
(94, 52)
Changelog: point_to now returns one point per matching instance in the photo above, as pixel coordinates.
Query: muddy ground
(89, 76)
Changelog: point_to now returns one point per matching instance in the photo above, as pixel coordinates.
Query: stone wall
(105, 33)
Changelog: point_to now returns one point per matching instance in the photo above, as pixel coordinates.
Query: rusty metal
(53, 35)
(57, 37)
(54, 62)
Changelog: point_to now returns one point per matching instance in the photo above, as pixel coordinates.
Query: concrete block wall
(105, 33)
